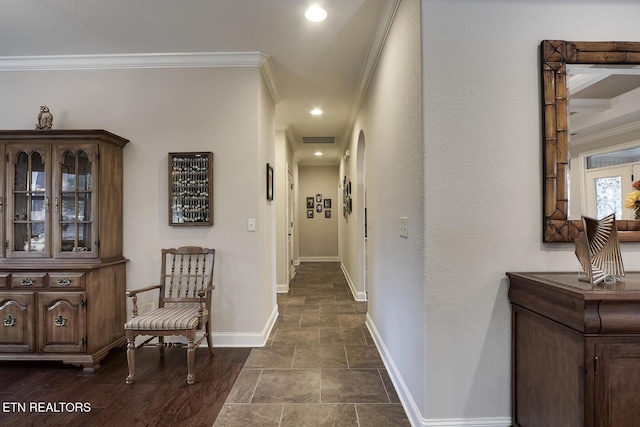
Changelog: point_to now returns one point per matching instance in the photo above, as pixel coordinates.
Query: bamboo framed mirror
(557, 57)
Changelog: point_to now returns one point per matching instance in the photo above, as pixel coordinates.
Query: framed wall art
(191, 188)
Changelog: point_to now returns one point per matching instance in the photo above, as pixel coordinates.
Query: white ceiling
(324, 65)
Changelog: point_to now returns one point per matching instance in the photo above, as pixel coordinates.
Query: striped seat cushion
(166, 318)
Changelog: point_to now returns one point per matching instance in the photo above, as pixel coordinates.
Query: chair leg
(191, 357)
(131, 359)
(161, 345)
(209, 339)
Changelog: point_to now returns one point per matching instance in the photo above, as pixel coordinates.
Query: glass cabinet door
(74, 202)
(28, 204)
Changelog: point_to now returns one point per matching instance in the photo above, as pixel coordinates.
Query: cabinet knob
(63, 282)
(27, 281)
(9, 321)
(60, 320)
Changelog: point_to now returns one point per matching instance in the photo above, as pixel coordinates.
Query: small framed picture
(309, 213)
(327, 203)
(318, 198)
(319, 207)
(310, 203)
(327, 213)
(269, 182)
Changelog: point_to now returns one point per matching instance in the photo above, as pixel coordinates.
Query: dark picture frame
(327, 213)
(310, 203)
(319, 207)
(309, 213)
(269, 182)
(327, 203)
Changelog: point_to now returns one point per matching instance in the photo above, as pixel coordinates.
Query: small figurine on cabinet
(598, 250)
(45, 119)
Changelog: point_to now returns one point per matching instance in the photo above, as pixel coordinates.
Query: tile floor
(320, 366)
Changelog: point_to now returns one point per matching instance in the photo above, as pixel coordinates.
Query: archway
(361, 215)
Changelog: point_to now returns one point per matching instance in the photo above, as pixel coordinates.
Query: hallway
(320, 366)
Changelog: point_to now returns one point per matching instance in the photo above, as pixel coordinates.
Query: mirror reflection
(604, 138)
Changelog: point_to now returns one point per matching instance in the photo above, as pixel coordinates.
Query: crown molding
(385, 20)
(146, 60)
(137, 60)
(269, 75)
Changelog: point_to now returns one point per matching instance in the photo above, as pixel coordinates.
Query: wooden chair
(184, 305)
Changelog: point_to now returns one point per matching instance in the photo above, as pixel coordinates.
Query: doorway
(290, 229)
(362, 214)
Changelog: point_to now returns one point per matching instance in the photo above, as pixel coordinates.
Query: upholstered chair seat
(167, 318)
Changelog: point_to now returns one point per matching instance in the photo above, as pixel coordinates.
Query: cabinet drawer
(61, 280)
(4, 280)
(28, 280)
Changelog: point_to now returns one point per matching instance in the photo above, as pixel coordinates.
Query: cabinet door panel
(62, 317)
(27, 201)
(617, 385)
(16, 329)
(545, 353)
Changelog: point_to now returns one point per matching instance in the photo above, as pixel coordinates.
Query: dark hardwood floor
(55, 394)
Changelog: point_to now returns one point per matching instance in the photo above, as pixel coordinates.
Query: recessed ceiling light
(315, 14)
(316, 112)
(318, 153)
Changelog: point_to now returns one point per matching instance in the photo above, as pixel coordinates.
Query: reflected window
(609, 196)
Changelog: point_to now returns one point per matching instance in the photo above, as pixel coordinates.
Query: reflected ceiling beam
(593, 119)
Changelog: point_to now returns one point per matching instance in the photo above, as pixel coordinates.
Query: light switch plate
(404, 227)
(251, 224)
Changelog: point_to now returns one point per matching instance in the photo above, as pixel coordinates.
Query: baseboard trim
(319, 259)
(409, 404)
(282, 289)
(358, 296)
(469, 422)
(246, 339)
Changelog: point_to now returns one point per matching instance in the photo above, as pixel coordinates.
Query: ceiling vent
(318, 139)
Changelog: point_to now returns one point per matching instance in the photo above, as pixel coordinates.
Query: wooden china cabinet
(575, 351)
(62, 271)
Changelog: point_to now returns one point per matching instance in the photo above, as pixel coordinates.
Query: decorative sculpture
(598, 250)
(45, 119)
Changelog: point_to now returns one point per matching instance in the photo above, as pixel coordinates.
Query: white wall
(483, 184)
(224, 110)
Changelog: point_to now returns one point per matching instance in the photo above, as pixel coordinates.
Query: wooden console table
(575, 351)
